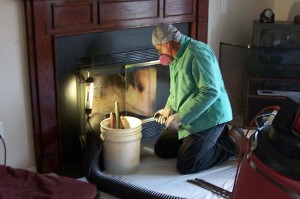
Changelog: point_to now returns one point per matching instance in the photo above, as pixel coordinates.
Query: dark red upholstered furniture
(23, 184)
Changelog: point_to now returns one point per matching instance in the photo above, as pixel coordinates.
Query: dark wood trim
(33, 83)
(202, 20)
(48, 19)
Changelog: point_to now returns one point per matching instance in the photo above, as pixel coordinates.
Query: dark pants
(198, 151)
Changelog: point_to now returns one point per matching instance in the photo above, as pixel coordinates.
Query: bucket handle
(260, 116)
(102, 137)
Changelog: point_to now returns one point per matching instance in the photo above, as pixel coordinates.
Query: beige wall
(15, 111)
(233, 26)
(286, 10)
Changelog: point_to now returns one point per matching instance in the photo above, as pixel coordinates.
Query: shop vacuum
(271, 167)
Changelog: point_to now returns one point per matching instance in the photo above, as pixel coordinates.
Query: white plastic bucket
(121, 147)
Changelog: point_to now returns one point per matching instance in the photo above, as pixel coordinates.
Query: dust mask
(165, 60)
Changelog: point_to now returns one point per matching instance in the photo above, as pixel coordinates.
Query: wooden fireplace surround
(48, 19)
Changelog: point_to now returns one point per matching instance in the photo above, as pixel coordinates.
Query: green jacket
(197, 90)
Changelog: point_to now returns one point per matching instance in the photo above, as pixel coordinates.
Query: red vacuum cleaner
(271, 167)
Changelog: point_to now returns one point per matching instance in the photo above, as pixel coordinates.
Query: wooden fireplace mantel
(48, 19)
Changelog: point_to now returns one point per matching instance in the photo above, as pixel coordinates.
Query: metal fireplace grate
(115, 62)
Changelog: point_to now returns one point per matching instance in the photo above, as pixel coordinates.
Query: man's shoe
(237, 135)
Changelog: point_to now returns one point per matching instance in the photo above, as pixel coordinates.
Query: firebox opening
(139, 91)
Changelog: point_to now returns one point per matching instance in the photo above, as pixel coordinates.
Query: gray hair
(164, 33)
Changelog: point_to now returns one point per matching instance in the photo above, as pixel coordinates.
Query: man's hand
(162, 115)
(173, 122)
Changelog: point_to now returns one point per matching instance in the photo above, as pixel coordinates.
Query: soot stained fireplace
(124, 67)
(69, 38)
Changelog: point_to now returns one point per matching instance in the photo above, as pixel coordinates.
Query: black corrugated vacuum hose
(93, 167)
